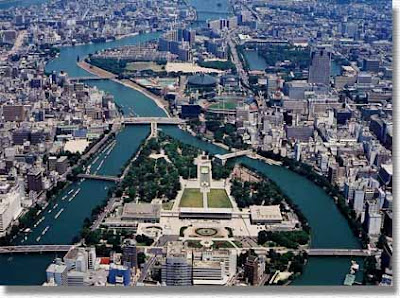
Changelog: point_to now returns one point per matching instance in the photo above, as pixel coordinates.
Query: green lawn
(218, 198)
(192, 197)
(227, 105)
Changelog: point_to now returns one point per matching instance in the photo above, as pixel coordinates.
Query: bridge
(338, 252)
(149, 120)
(100, 177)
(34, 248)
(74, 79)
(222, 158)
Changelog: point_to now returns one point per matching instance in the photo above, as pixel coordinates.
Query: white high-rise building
(10, 205)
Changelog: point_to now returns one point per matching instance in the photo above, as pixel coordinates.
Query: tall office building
(14, 113)
(58, 273)
(129, 256)
(254, 269)
(35, 181)
(177, 269)
(320, 65)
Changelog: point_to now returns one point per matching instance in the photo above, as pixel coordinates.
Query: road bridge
(338, 252)
(100, 177)
(149, 120)
(74, 79)
(222, 158)
(34, 248)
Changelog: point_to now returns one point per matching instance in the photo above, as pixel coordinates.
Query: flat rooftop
(266, 213)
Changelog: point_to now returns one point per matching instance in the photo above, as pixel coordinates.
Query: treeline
(115, 66)
(289, 239)
(226, 134)
(299, 57)
(308, 172)
(221, 65)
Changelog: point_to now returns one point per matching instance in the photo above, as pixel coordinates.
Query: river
(329, 227)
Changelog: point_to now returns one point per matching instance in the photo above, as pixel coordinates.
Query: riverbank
(97, 71)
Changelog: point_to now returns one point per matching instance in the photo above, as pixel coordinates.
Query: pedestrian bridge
(100, 177)
(149, 120)
(34, 248)
(338, 252)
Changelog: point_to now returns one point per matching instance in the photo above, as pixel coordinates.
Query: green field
(218, 198)
(227, 105)
(192, 197)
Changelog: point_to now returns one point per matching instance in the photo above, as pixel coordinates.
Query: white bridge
(222, 158)
(149, 120)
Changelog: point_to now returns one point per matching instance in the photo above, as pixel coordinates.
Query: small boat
(38, 238)
(45, 230)
(58, 213)
(63, 198)
(50, 211)
(70, 192)
(27, 230)
(55, 206)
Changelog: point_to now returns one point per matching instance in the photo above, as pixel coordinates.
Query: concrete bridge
(34, 248)
(222, 158)
(74, 79)
(149, 120)
(100, 177)
(338, 252)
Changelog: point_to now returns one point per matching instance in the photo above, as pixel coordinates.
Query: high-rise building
(58, 273)
(177, 269)
(62, 164)
(10, 205)
(254, 269)
(35, 182)
(129, 256)
(320, 66)
(14, 113)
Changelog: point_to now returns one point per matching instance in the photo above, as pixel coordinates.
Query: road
(146, 268)
(235, 59)
(101, 216)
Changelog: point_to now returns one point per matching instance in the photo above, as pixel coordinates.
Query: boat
(349, 280)
(45, 230)
(27, 230)
(55, 206)
(50, 211)
(74, 195)
(70, 192)
(38, 238)
(58, 213)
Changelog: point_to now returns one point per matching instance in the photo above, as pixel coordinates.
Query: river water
(329, 227)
